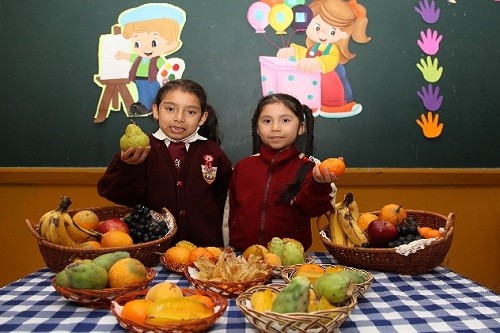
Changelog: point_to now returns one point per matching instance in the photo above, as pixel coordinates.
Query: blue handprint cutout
(431, 99)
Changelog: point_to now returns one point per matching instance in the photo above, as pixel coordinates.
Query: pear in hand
(133, 137)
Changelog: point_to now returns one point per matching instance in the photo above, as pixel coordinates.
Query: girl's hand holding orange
(329, 170)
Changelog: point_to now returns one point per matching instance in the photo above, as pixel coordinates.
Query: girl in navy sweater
(184, 169)
(275, 192)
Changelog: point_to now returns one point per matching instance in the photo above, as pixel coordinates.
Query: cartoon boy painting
(154, 32)
(333, 24)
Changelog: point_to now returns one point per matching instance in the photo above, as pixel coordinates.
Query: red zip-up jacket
(197, 204)
(256, 213)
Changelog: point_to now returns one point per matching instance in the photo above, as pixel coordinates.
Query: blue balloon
(302, 16)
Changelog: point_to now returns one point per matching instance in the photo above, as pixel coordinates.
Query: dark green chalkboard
(48, 97)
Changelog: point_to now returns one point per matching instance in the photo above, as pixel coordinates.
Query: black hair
(304, 113)
(210, 129)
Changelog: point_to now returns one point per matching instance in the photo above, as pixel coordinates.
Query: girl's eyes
(137, 45)
(154, 43)
(317, 27)
(332, 32)
(189, 112)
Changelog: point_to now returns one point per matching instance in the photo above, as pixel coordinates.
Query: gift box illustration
(281, 76)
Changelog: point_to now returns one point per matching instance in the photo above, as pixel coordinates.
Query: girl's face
(278, 127)
(321, 32)
(151, 44)
(179, 114)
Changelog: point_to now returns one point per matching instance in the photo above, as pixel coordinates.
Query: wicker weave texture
(387, 259)
(57, 257)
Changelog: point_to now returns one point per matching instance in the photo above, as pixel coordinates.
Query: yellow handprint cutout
(430, 126)
(430, 69)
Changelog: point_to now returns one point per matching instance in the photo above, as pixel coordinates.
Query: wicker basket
(57, 257)
(277, 270)
(184, 326)
(324, 321)
(225, 288)
(101, 298)
(359, 289)
(387, 259)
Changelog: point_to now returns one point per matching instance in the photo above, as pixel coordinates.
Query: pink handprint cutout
(429, 12)
(431, 99)
(429, 41)
(430, 125)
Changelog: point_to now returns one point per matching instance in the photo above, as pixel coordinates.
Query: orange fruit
(178, 255)
(135, 310)
(91, 245)
(164, 289)
(86, 219)
(310, 271)
(115, 238)
(365, 219)
(200, 252)
(392, 213)
(126, 272)
(207, 301)
(335, 165)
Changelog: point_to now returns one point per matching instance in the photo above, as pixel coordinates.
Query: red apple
(112, 224)
(380, 233)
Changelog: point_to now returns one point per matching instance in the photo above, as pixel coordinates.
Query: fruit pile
(322, 290)
(113, 270)
(143, 228)
(185, 253)
(390, 228)
(279, 252)
(85, 229)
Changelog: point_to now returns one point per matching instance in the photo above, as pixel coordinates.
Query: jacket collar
(278, 156)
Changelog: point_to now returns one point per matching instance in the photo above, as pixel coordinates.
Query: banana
(337, 235)
(350, 226)
(354, 209)
(77, 233)
(349, 242)
(52, 225)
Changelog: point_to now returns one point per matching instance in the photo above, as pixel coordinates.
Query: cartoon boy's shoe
(347, 110)
(139, 110)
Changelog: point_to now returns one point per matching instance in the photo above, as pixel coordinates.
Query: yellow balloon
(280, 18)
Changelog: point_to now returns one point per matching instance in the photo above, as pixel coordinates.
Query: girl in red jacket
(275, 192)
(184, 169)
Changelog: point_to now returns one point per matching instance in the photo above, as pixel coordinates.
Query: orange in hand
(335, 165)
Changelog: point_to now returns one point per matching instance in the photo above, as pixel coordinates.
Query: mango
(109, 259)
(86, 275)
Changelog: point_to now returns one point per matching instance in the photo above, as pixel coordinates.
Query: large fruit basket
(101, 298)
(184, 326)
(57, 257)
(387, 259)
(324, 321)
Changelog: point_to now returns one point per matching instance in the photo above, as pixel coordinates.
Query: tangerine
(86, 219)
(135, 310)
(116, 238)
(335, 165)
(200, 252)
(91, 245)
(178, 255)
(207, 301)
(126, 272)
(392, 213)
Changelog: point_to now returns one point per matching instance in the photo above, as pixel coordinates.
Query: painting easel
(114, 91)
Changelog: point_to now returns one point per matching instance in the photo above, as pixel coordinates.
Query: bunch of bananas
(344, 229)
(58, 227)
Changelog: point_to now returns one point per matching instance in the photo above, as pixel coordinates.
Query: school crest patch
(208, 171)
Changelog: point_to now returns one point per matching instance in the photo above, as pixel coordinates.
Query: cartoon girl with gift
(154, 32)
(333, 24)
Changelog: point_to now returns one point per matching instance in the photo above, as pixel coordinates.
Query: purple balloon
(258, 16)
(302, 16)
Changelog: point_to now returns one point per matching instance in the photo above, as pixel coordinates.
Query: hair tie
(358, 12)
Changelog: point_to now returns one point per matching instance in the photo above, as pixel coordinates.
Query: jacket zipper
(265, 201)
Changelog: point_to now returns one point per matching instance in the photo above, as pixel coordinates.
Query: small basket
(172, 266)
(387, 259)
(101, 298)
(57, 257)
(277, 270)
(225, 288)
(359, 288)
(324, 321)
(184, 326)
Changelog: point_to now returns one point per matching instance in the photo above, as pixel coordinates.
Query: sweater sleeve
(122, 183)
(315, 199)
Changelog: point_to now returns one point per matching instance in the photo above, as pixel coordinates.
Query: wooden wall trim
(353, 176)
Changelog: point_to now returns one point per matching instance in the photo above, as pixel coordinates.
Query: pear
(133, 137)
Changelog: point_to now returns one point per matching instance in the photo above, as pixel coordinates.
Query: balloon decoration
(302, 16)
(271, 3)
(293, 3)
(258, 16)
(280, 18)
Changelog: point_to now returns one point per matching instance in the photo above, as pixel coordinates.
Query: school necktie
(177, 152)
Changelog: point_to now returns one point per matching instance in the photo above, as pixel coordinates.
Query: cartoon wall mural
(133, 61)
(315, 73)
